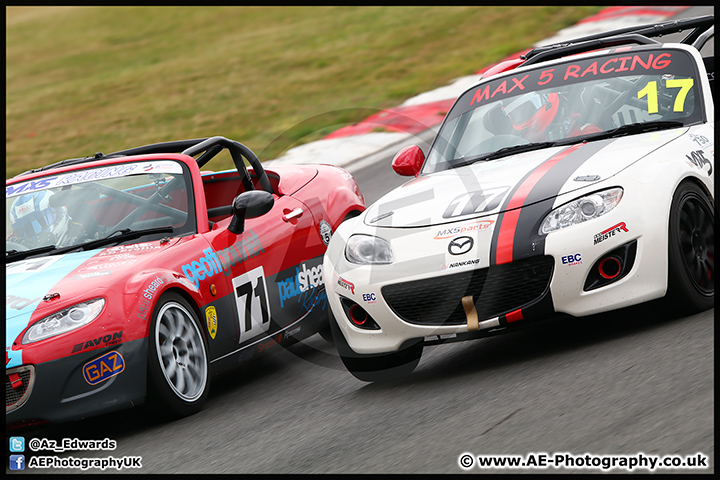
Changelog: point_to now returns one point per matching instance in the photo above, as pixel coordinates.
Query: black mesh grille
(496, 290)
(14, 395)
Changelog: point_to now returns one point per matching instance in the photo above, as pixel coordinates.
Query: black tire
(691, 251)
(376, 368)
(178, 367)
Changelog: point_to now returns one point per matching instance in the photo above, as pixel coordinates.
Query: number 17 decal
(252, 303)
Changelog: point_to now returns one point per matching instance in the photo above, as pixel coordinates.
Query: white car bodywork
(421, 218)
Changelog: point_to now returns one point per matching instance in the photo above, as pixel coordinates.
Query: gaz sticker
(104, 367)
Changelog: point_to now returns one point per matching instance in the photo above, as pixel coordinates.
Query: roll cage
(702, 29)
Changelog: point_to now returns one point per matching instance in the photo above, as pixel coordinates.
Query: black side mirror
(249, 205)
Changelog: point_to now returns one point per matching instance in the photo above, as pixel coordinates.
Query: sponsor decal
(460, 245)
(346, 285)
(369, 298)
(292, 332)
(574, 259)
(212, 321)
(104, 367)
(215, 262)
(475, 202)
(147, 296)
(699, 139)
(83, 276)
(303, 280)
(381, 216)
(479, 226)
(587, 178)
(610, 232)
(638, 64)
(32, 265)
(149, 291)
(94, 174)
(105, 341)
(132, 248)
(698, 159)
(270, 343)
(325, 231)
(108, 265)
(18, 303)
(464, 263)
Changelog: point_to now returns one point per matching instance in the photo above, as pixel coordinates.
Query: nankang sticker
(610, 232)
(102, 368)
(465, 263)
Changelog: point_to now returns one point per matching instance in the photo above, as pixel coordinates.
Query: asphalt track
(623, 383)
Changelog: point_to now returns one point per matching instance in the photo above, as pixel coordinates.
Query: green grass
(86, 79)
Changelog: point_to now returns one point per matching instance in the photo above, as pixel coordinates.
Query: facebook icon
(17, 462)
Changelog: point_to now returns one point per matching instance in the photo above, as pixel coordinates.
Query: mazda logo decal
(460, 245)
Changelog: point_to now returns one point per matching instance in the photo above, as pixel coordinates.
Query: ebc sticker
(573, 259)
(104, 367)
(252, 303)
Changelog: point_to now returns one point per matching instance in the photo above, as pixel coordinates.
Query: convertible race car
(574, 180)
(134, 274)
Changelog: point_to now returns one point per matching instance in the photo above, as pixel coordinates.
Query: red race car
(134, 275)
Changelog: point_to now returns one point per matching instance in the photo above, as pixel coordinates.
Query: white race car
(575, 180)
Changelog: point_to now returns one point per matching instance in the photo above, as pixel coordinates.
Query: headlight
(64, 320)
(367, 250)
(581, 210)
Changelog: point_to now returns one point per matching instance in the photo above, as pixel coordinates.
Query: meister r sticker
(605, 234)
(212, 322)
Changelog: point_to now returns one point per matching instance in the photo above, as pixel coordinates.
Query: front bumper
(421, 294)
(59, 392)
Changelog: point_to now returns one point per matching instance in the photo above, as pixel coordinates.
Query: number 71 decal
(651, 92)
(252, 303)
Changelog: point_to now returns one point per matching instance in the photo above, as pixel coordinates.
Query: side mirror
(249, 204)
(408, 161)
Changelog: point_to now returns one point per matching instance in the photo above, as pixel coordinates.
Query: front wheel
(377, 367)
(178, 361)
(691, 251)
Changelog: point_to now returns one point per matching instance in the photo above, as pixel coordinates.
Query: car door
(257, 263)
